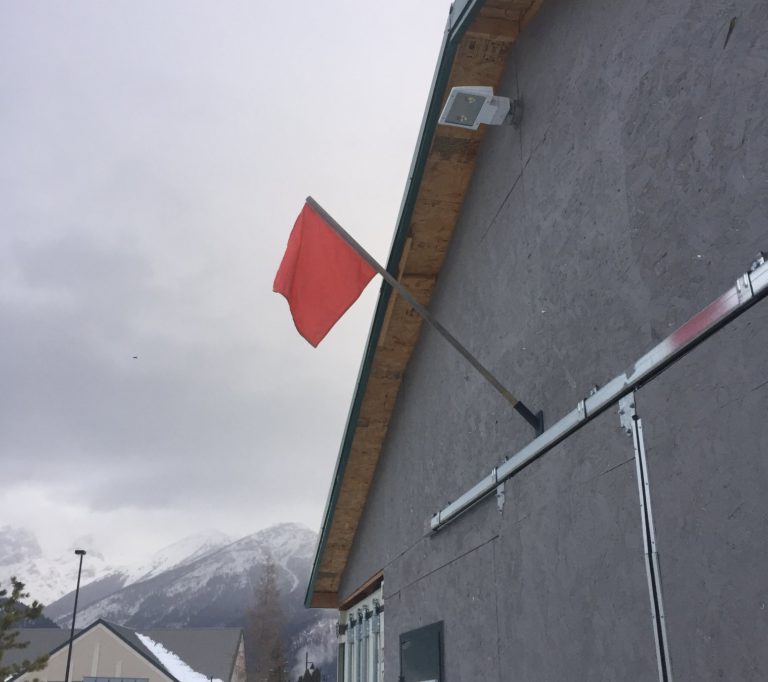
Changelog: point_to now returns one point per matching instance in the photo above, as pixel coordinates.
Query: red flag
(320, 275)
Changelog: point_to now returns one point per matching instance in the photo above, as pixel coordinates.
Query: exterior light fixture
(468, 106)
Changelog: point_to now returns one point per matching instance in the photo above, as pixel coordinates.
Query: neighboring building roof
(211, 651)
(130, 637)
(477, 41)
(41, 641)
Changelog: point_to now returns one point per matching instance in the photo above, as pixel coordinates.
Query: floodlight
(470, 105)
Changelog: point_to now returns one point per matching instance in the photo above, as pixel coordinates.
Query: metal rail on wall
(633, 426)
(750, 288)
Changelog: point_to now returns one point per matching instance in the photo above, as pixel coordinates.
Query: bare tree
(264, 631)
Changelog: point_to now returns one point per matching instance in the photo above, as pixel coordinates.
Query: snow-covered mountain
(211, 588)
(179, 553)
(45, 578)
(49, 578)
(202, 581)
(17, 546)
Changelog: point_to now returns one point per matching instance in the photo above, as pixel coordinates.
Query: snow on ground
(172, 663)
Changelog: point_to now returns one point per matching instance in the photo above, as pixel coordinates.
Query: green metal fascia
(461, 14)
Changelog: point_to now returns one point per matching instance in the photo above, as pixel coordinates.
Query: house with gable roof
(105, 652)
(602, 257)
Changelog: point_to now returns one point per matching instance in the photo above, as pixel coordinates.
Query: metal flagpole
(535, 420)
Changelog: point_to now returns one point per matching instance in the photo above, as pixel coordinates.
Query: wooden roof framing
(479, 58)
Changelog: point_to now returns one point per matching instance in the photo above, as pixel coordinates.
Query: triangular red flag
(320, 275)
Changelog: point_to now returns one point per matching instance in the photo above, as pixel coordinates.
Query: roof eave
(500, 19)
(428, 124)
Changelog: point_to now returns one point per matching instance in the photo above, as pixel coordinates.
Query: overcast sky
(153, 157)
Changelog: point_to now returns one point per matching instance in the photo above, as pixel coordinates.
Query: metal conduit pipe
(750, 288)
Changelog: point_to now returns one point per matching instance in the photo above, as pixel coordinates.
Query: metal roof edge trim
(461, 14)
(454, 31)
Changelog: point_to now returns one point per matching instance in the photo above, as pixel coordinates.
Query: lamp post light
(81, 554)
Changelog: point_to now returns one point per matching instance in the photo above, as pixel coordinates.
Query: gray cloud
(154, 158)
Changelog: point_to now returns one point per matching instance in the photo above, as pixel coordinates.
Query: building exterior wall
(97, 653)
(634, 193)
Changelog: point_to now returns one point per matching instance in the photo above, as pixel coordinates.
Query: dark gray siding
(707, 439)
(634, 194)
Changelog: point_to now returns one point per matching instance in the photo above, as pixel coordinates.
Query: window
(421, 654)
(340, 661)
(361, 640)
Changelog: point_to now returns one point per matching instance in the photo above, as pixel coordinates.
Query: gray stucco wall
(634, 193)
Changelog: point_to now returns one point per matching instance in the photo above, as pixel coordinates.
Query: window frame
(361, 633)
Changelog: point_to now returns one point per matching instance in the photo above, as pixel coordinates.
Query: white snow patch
(205, 571)
(172, 663)
(46, 578)
(181, 553)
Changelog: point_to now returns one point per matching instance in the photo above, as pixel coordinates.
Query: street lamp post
(81, 554)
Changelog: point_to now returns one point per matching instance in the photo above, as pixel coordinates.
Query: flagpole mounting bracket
(535, 420)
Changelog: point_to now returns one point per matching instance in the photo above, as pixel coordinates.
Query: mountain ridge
(205, 581)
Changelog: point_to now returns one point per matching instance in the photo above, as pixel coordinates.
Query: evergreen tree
(12, 613)
(264, 631)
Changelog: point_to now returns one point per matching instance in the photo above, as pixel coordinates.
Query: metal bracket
(627, 413)
(581, 410)
(515, 115)
(759, 260)
(500, 498)
(633, 426)
(535, 420)
(744, 288)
